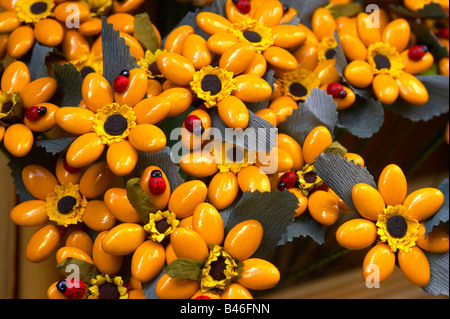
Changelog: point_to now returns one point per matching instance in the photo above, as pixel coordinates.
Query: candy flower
(62, 200)
(24, 108)
(110, 121)
(261, 27)
(232, 169)
(393, 221)
(223, 263)
(384, 61)
(105, 287)
(312, 192)
(146, 234)
(27, 21)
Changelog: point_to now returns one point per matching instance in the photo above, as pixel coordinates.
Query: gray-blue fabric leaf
(69, 85)
(37, 156)
(439, 282)
(148, 288)
(259, 135)
(116, 54)
(274, 210)
(442, 215)
(319, 109)
(304, 226)
(305, 8)
(437, 86)
(342, 175)
(36, 63)
(363, 119)
(55, 145)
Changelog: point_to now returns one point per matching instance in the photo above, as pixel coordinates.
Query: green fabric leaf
(305, 8)
(429, 11)
(55, 145)
(116, 54)
(427, 37)
(442, 215)
(183, 268)
(73, 266)
(439, 269)
(346, 10)
(139, 200)
(437, 86)
(145, 33)
(342, 175)
(319, 109)
(336, 148)
(69, 85)
(273, 210)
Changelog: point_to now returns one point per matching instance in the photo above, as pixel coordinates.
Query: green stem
(330, 257)
(425, 155)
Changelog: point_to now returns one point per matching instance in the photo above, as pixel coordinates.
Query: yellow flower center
(308, 179)
(212, 84)
(299, 83)
(231, 158)
(114, 122)
(384, 58)
(31, 11)
(148, 63)
(253, 32)
(105, 287)
(66, 205)
(397, 228)
(10, 108)
(161, 225)
(219, 270)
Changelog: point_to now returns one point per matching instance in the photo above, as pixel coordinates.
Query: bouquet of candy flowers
(173, 165)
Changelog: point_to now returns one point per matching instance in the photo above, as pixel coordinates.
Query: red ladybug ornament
(67, 167)
(193, 124)
(34, 113)
(336, 90)
(202, 297)
(156, 184)
(121, 81)
(443, 33)
(287, 180)
(72, 288)
(243, 6)
(417, 52)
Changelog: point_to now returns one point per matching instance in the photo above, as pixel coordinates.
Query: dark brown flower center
(297, 89)
(396, 226)
(66, 204)
(330, 54)
(86, 70)
(382, 62)
(38, 7)
(252, 36)
(310, 177)
(115, 124)
(108, 291)
(153, 68)
(235, 155)
(217, 269)
(211, 83)
(162, 225)
(6, 107)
